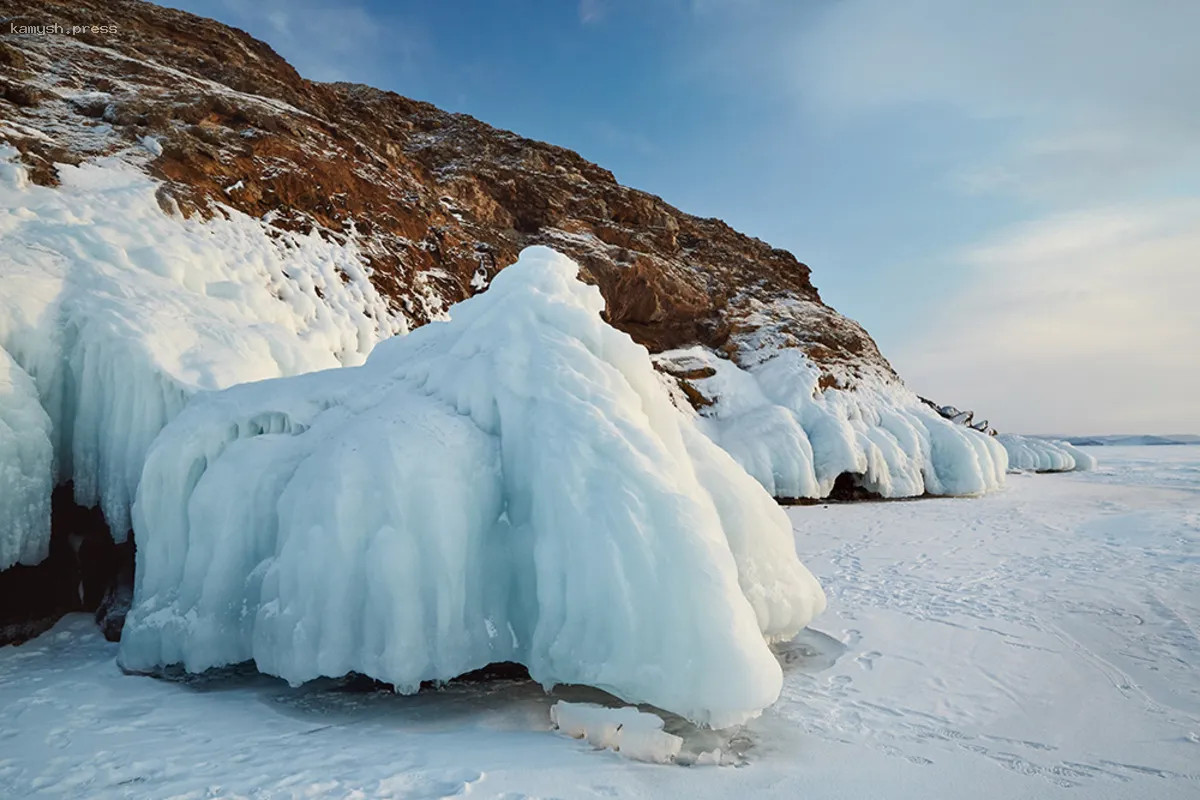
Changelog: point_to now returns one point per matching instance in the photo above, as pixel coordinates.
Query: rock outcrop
(437, 202)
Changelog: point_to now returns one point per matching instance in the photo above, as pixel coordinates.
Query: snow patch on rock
(152, 145)
(511, 485)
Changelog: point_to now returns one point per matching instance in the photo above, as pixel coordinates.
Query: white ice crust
(636, 735)
(795, 438)
(120, 312)
(26, 468)
(511, 485)
(1030, 454)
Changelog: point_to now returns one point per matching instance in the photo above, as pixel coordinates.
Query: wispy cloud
(1098, 93)
(1078, 97)
(323, 39)
(1081, 322)
(591, 11)
(623, 138)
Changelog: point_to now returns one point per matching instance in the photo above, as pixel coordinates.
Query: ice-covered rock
(1028, 453)
(796, 438)
(512, 485)
(963, 418)
(26, 468)
(636, 735)
(120, 312)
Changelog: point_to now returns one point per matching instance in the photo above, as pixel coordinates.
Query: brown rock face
(437, 202)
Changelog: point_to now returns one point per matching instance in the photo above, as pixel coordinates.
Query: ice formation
(637, 735)
(796, 439)
(511, 485)
(1028, 453)
(26, 468)
(120, 312)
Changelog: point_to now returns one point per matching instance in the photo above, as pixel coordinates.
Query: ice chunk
(1044, 455)
(635, 734)
(26, 468)
(796, 438)
(121, 312)
(511, 485)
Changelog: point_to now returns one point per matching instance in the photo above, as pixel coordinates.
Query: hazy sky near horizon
(1006, 194)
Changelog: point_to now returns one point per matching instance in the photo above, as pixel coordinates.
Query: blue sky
(1006, 194)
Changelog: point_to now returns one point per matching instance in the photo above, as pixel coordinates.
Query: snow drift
(1044, 455)
(796, 438)
(512, 485)
(26, 469)
(120, 312)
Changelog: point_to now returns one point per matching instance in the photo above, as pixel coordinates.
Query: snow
(152, 145)
(120, 312)
(1036, 643)
(796, 439)
(636, 735)
(511, 485)
(1028, 453)
(479, 280)
(26, 468)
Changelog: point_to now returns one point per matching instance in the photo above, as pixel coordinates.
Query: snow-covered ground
(1039, 642)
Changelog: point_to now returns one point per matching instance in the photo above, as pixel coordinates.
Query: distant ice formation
(1025, 453)
(1028, 453)
(511, 485)
(796, 439)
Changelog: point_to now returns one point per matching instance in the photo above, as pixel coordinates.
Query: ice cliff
(797, 438)
(512, 485)
(26, 468)
(1032, 454)
(120, 312)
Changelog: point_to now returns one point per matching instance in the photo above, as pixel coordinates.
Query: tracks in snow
(1045, 629)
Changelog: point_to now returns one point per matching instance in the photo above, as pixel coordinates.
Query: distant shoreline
(1126, 439)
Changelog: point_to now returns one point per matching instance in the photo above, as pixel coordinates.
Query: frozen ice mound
(512, 485)
(796, 438)
(26, 468)
(1027, 453)
(120, 312)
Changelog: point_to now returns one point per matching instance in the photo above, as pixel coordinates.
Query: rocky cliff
(437, 202)
(181, 212)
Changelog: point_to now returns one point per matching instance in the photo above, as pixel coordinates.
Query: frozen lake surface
(1040, 642)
